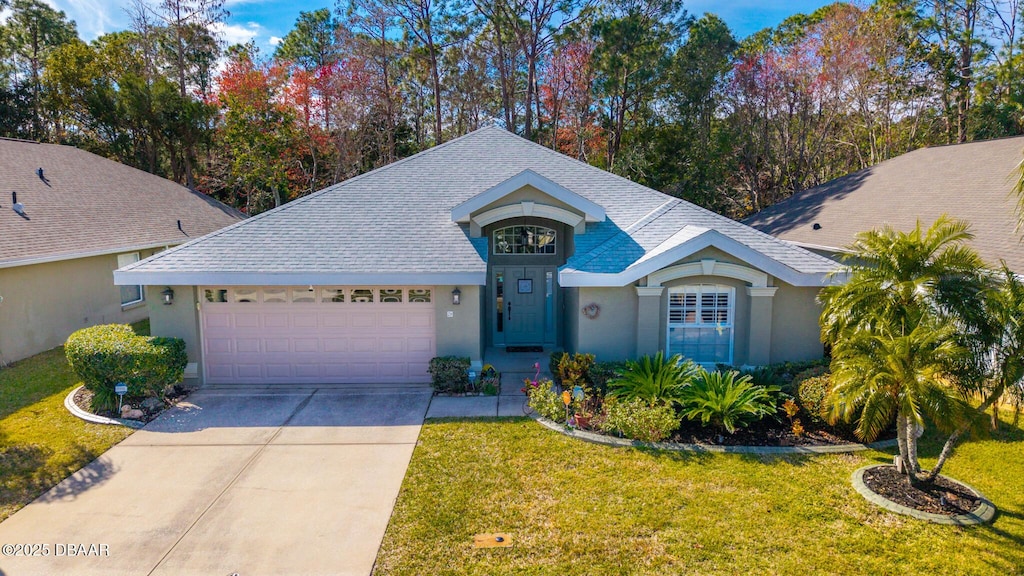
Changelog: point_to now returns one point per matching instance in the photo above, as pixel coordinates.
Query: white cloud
(237, 33)
(275, 40)
(94, 18)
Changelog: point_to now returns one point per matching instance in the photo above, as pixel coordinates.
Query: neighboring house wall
(44, 303)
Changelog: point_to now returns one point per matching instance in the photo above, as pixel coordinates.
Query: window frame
(141, 288)
(539, 230)
(700, 290)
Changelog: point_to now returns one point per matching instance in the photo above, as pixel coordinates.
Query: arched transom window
(524, 240)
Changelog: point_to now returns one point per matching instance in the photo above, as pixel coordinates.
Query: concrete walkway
(514, 368)
(247, 482)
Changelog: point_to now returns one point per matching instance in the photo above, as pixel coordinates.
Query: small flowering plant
(532, 383)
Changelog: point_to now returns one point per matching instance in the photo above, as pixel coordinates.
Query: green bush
(812, 389)
(727, 400)
(553, 361)
(450, 374)
(601, 373)
(107, 354)
(654, 379)
(782, 374)
(638, 419)
(544, 400)
(572, 370)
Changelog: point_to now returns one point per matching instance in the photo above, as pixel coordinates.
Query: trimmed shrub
(544, 400)
(638, 419)
(782, 374)
(450, 374)
(107, 354)
(653, 379)
(727, 400)
(812, 389)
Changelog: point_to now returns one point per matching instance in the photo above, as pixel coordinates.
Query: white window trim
(698, 289)
(537, 227)
(142, 289)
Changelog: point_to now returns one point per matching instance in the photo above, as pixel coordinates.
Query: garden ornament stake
(566, 399)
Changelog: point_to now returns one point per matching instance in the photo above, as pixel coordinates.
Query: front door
(521, 295)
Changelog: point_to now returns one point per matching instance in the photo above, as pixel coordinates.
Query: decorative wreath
(591, 310)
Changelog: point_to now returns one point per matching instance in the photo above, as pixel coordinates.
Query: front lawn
(41, 443)
(578, 508)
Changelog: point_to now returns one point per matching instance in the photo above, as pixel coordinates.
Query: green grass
(41, 443)
(578, 508)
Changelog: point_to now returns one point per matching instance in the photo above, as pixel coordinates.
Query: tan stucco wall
(461, 334)
(178, 320)
(44, 303)
(612, 335)
(527, 194)
(796, 334)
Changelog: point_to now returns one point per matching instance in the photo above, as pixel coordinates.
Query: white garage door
(325, 335)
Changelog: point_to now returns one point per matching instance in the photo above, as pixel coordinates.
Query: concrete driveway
(232, 482)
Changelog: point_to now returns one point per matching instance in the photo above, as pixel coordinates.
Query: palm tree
(998, 348)
(895, 373)
(896, 327)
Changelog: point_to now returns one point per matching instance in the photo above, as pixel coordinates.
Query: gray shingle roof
(89, 204)
(397, 220)
(969, 181)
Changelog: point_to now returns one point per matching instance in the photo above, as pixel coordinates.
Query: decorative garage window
(244, 295)
(336, 295)
(303, 295)
(391, 295)
(419, 295)
(129, 294)
(700, 322)
(524, 240)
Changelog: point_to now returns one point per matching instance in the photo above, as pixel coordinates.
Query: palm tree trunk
(901, 441)
(947, 448)
(913, 430)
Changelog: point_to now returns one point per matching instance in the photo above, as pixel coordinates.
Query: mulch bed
(944, 496)
(83, 399)
(767, 432)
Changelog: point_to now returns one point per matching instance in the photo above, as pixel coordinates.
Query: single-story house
(488, 241)
(970, 181)
(68, 219)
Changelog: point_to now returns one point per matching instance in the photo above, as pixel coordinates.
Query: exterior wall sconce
(168, 295)
(456, 296)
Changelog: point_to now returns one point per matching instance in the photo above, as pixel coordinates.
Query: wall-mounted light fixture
(168, 295)
(456, 296)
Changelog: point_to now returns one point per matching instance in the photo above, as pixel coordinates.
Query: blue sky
(265, 20)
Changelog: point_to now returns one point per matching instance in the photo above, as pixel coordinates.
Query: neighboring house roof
(969, 181)
(86, 205)
(408, 223)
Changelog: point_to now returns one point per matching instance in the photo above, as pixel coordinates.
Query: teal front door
(521, 304)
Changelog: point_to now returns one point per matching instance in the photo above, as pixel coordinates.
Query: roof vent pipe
(40, 172)
(18, 206)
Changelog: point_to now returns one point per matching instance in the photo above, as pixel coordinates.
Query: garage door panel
(421, 320)
(334, 345)
(272, 345)
(392, 344)
(247, 320)
(305, 345)
(420, 345)
(364, 319)
(316, 342)
(304, 321)
(249, 371)
(275, 320)
(247, 345)
(392, 370)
